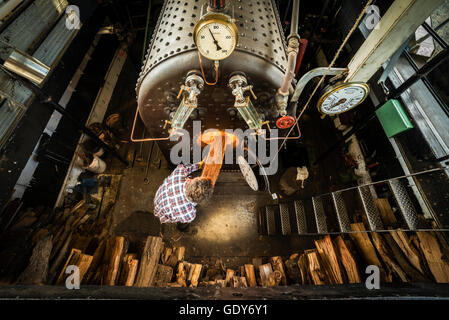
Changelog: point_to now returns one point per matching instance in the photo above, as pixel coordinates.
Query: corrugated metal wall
(39, 30)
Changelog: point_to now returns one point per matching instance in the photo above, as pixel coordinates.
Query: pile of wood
(80, 236)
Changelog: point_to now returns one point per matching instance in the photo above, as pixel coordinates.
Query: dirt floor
(226, 227)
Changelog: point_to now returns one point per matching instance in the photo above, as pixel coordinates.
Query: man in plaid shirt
(177, 197)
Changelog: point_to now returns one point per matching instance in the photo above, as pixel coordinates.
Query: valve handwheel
(285, 122)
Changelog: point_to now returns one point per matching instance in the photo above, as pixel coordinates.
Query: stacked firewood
(80, 236)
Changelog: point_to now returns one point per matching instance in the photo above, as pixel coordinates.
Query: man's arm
(191, 167)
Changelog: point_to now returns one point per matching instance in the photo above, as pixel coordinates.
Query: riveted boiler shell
(260, 54)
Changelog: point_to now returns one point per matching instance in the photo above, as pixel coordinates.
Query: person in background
(178, 196)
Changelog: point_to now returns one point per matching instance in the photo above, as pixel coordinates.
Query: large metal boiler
(260, 57)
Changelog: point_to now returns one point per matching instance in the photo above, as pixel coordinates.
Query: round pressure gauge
(216, 36)
(342, 97)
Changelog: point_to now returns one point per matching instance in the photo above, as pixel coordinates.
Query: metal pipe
(289, 74)
(310, 75)
(292, 51)
(295, 18)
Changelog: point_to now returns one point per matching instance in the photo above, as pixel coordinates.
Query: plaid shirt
(170, 203)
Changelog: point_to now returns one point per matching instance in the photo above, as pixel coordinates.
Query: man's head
(199, 189)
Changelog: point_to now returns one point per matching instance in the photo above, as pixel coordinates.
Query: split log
(118, 249)
(303, 265)
(229, 274)
(163, 276)
(195, 272)
(278, 265)
(433, 254)
(59, 259)
(129, 270)
(239, 282)
(412, 273)
(176, 256)
(221, 283)
(166, 254)
(268, 277)
(77, 258)
(402, 240)
(293, 273)
(149, 261)
(366, 248)
(250, 275)
(316, 271)
(347, 260)
(387, 257)
(181, 277)
(329, 258)
(37, 269)
(96, 263)
(386, 213)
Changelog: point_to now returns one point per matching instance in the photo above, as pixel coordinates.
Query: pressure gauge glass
(215, 38)
(342, 97)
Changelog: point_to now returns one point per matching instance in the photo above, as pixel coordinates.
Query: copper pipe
(146, 139)
(288, 137)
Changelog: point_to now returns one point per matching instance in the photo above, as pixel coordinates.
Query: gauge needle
(215, 40)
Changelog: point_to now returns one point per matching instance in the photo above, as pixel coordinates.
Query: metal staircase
(332, 212)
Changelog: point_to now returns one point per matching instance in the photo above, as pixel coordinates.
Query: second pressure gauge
(216, 36)
(342, 97)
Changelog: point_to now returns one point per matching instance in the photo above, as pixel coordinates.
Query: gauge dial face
(343, 97)
(216, 39)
